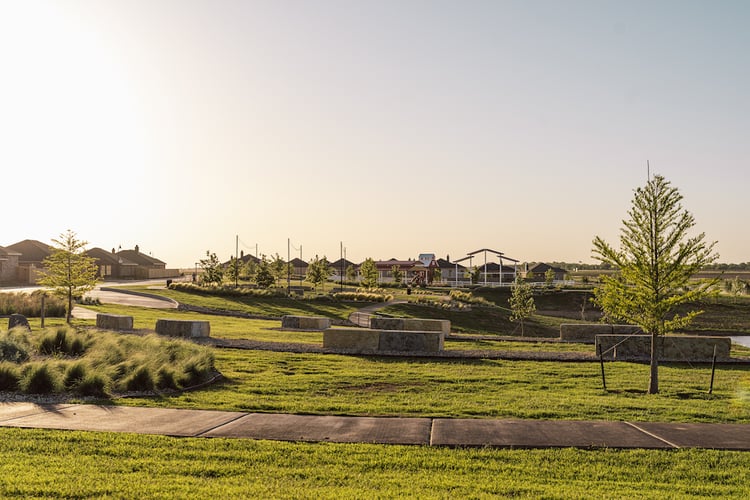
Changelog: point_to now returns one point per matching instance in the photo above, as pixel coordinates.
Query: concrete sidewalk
(409, 431)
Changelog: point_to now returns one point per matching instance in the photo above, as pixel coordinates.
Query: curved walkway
(112, 295)
(361, 317)
(509, 433)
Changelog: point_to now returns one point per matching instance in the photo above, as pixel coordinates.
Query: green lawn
(67, 464)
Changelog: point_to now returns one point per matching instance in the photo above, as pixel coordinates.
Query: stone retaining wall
(361, 340)
(669, 348)
(183, 328)
(305, 323)
(587, 332)
(411, 324)
(116, 322)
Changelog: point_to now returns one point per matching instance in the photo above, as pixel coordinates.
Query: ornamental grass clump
(14, 346)
(41, 378)
(10, 376)
(64, 340)
(30, 304)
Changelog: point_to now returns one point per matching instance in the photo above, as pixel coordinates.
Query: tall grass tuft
(40, 378)
(64, 340)
(14, 345)
(30, 304)
(10, 377)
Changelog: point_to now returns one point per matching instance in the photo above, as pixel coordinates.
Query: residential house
(539, 272)
(339, 267)
(110, 265)
(147, 267)
(8, 265)
(411, 270)
(450, 272)
(30, 261)
(299, 268)
(490, 273)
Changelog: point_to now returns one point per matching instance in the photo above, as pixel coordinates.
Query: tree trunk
(69, 315)
(653, 385)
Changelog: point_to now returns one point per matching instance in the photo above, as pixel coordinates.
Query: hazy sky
(398, 127)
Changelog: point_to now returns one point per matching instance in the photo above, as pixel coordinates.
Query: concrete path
(461, 432)
(111, 295)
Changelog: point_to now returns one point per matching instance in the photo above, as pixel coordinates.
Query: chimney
(136, 249)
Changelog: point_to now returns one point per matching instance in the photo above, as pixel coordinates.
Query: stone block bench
(305, 323)
(676, 348)
(183, 328)
(363, 340)
(116, 322)
(411, 324)
(586, 332)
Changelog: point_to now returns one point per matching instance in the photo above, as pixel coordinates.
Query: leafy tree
(549, 277)
(351, 273)
(437, 275)
(521, 303)
(263, 275)
(68, 270)
(213, 271)
(737, 287)
(279, 268)
(369, 273)
(655, 261)
(232, 272)
(473, 274)
(249, 269)
(318, 271)
(398, 275)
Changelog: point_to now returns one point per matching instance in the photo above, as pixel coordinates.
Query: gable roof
(542, 268)
(446, 264)
(297, 262)
(31, 250)
(140, 258)
(7, 253)
(105, 256)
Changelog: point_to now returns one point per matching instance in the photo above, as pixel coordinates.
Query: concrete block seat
(305, 323)
(676, 348)
(411, 324)
(117, 322)
(586, 332)
(183, 328)
(363, 340)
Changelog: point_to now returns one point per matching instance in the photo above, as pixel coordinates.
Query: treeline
(578, 266)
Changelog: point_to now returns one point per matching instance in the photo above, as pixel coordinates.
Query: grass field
(39, 463)
(58, 464)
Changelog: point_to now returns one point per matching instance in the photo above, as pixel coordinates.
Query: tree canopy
(68, 270)
(655, 262)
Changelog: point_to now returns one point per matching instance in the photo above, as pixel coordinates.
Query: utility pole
(236, 258)
(341, 266)
(288, 270)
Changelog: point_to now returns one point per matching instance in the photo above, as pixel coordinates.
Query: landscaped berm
(98, 363)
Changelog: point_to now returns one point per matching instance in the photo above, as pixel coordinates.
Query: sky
(389, 128)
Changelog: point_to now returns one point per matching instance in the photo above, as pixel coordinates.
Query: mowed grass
(44, 464)
(262, 381)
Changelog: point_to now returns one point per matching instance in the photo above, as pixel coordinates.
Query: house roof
(446, 264)
(492, 267)
(402, 264)
(338, 264)
(542, 268)
(31, 250)
(297, 262)
(140, 258)
(105, 256)
(4, 251)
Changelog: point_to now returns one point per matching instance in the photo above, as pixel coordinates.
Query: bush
(14, 346)
(40, 378)
(140, 380)
(361, 296)
(64, 340)
(74, 374)
(92, 384)
(227, 291)
(10, 377)
(30, 304)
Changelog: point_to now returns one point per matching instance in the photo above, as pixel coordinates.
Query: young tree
(656, 259)
(232, 271)
(549, 277)
(369, 273)
(278, 268)
(351, 273)
(473, 274)
(263, 275)
(398, 275)
(213, 271)
(521, 303)
(68, 270)
(318, 271)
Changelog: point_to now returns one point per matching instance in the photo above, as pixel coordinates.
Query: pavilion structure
(501, 257)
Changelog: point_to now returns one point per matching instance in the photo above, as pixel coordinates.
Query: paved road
(510, 433)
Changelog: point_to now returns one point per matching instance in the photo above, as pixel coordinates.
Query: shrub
(62, 341)
(166, 378)
(93, 384)
(10, 377)
(40, 378)
(14, 346)
(362, 296)
(74, 374)
(139, 380)
(227, 291)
